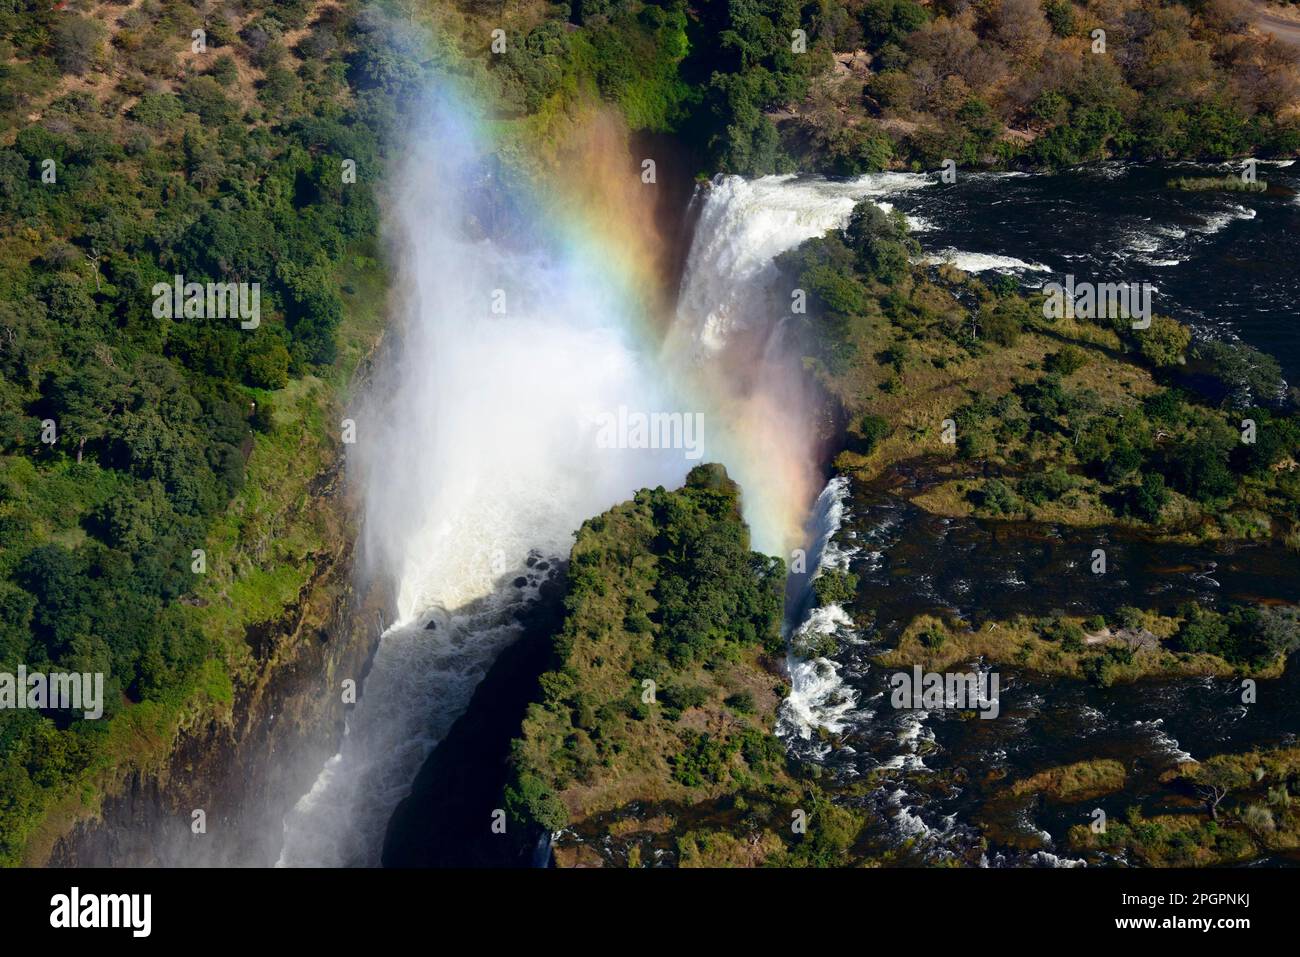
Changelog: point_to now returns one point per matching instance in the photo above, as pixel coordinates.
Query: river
(476, 476)
(1223, 263)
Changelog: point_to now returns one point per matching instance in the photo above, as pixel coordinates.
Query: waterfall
(475, 451)
(731, 335)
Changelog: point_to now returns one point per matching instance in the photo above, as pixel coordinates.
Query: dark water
(1225, 263)
(947, 774)
(976, 569)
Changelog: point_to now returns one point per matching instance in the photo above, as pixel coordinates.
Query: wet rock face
(246, 769)
(446, 820)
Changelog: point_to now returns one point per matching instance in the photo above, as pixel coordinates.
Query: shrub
(1164, 342)
(702, 760)
(1148, 498)
(268, 366)
(203, 95)
(874, 429)
(933, 637)
(833, 586)
(1129, 617)
(157, 111)
(224, 70)
(529, 800)
(1047, 487)
(78, 43)
(742, 702)
(1065, 361)
(1259, 819)
(997, 498)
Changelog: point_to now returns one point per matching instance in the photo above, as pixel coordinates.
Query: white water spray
(732, 332)
(476, 447)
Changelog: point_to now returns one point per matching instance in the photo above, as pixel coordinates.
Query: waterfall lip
(473, 456)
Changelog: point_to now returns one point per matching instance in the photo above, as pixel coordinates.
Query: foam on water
(819, 696)
(732, 344)
(983, 262)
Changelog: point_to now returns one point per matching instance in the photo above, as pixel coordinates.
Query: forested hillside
(870, 84)
(132, 154)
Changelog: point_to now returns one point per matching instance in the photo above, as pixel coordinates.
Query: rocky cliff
(245, 766)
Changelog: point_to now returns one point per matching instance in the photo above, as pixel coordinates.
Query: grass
(1081, 781)
(939, 378)
(1260, 815)
(1231, 184)
(1020, 642)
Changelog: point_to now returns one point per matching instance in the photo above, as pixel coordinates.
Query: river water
(941, 770)
(1221, 262)
(1224, 263)
(473, 468)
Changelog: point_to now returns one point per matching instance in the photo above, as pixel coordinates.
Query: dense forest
(240, 142)
(860, 85)
(132, 156)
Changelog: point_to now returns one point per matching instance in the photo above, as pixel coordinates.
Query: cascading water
(479, 449)
(731, 332)
(731, 316)
(818, 697)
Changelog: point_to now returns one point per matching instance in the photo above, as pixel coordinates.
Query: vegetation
(1230, 184)
(653, 705)
(129, 443)
(151, 468)
(1082, 781)
(1248, 808)
(1149, 646)
(850, 86)
(1244, 633)
(833, 586)
(1060, 419)
(635, 655)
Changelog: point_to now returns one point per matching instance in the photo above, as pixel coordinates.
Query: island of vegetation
(651, 741)
(1227, 184)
